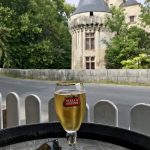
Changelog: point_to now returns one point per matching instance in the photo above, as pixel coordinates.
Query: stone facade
(128, 10)
(89, 33)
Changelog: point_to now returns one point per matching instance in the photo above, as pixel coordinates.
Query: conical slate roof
(130, 2)
(91, 5)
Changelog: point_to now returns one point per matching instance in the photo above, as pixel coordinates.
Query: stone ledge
(129, 76)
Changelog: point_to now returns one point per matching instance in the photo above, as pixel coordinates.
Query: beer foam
(68, 92)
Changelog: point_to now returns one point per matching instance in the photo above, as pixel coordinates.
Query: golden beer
(70, 108)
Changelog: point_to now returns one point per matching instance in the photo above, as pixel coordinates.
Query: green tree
(116, 22)
(5, 29)
(36, 38)
(127, 42)
(120, 48)
(140, 62)
(141, 37)
(145, 15)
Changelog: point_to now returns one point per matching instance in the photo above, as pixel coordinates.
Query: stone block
(112, 73)
(132, 79)
(143, 80)
(122, 79)
(132, 72)
(100, 74)
(148, 73)
(143, 73)
(112, 79)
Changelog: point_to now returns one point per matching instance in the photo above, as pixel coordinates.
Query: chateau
(88, 32)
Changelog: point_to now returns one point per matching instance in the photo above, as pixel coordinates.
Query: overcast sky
(77, 1)
(73, 1)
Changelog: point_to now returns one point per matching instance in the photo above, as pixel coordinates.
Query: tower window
(89, 41)
(132, 19)
(90, 62)
(91, 13)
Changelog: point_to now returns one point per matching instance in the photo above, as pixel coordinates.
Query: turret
(86, 26)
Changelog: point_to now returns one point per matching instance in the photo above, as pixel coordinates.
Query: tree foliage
(127, 43)
(140, 62)
(39, 36)
(5, 29)
(116, 22)
(145, 15)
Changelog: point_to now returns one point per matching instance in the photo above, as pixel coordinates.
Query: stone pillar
(80, 49)
(83, 48)
(73, 49)
(77, 40)
(97, 49)
(103, 36)
(76, 52)
(77, 56)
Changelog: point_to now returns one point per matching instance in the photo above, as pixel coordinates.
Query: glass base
(72, 141)
(71, 138)
(75, 147)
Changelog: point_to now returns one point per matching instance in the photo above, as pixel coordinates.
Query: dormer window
(91, 13)
(131, 19)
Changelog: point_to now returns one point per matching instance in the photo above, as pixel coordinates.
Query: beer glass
(70, 105)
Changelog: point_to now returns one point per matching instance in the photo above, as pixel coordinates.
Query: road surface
(123, 96)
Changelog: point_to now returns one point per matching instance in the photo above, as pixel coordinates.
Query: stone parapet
(128, 76)
(85, 20)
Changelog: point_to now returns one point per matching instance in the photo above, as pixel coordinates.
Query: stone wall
(140, 76)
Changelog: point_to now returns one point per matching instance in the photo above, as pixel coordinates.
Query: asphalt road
(123, 96)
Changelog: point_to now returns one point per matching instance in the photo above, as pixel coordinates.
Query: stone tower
(89, 34)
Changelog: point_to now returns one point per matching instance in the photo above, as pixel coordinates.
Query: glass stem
(72, 138)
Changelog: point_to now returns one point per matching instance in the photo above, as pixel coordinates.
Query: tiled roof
(91, 5)
(130, 2)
